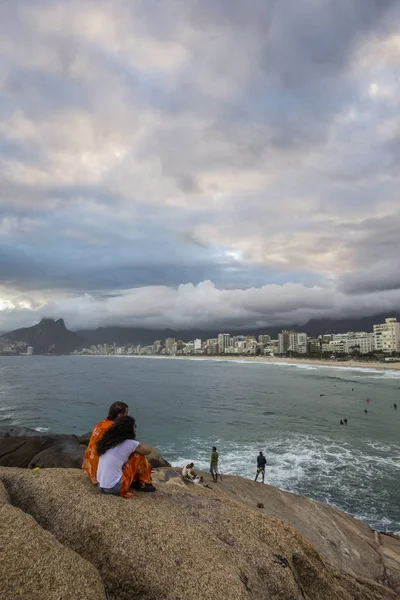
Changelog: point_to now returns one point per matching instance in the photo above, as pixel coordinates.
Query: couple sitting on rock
(114, 459)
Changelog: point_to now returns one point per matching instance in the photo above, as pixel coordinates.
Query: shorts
(214, 468)
(114, 490)
(260, 470)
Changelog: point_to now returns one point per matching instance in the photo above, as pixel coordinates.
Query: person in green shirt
(214, 464)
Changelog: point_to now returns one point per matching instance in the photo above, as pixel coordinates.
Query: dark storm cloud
(189, 162)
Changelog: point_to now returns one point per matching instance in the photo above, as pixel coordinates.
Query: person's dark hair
(191, 465)
(214, 449)
(261, 453)
(116, 409)
(122, 429)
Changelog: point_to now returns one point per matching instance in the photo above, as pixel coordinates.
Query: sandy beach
(349, 364)
(278, 360)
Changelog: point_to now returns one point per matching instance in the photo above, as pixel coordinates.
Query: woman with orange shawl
(118, 451)
(137, 470)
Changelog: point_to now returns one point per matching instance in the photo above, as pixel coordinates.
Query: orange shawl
(91, 459)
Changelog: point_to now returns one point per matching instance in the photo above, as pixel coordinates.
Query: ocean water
(184, 407)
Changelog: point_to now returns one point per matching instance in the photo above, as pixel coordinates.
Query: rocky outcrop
(18, 431)
(156, 460)
(182, 542)
(19, 451)
(26, 448)
(67, 455)
(35, 566)
(347, 543)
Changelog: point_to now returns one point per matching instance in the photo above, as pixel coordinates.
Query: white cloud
(148, 144)
(202, 305)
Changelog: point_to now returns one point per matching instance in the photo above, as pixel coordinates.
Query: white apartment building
(362, 343)
(169, 345)
(264, 339)
(350, 343)
(197, 345)
(298, 342)
(387, 336)
(189, 348)
(291, 341)
(240, 345)
(212, 346)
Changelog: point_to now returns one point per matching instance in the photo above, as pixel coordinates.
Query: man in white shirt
(187, 472)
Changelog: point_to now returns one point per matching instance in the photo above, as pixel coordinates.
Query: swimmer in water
(365, 410)
(341, 422)
(395, 406)
(345, 421)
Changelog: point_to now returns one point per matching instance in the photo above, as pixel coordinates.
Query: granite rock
(182, 543)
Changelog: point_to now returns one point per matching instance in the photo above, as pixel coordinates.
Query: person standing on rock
(91, 458)
(214, 464)
(261, 462)
(121, 459)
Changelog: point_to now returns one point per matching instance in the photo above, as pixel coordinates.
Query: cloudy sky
(198, 162)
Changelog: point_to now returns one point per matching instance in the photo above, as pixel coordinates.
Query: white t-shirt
(109, 470)
(187, 472)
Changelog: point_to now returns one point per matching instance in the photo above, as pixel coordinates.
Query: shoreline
(278, 361)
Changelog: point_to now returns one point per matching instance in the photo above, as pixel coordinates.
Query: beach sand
(277, 360)
(349, 364)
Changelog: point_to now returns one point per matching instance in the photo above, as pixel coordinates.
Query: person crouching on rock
(122, 462)
(187, 473)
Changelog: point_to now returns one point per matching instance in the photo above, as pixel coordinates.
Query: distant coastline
(339, 364)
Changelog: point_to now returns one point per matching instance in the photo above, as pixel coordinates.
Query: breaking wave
(363, 482)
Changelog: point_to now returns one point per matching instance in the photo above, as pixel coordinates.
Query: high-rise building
(298, 342)
(197, 345)
(169, 345)
(29, 350)
(387, 336)
(264, 339)
(157, 345)
(212, 346)
(315, 345)
(224, 341)
(284, 341)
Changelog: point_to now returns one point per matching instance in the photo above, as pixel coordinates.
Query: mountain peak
(49, 337)
(46, 321)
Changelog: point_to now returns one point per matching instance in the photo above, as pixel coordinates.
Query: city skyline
(198, 164)
(384, 340)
